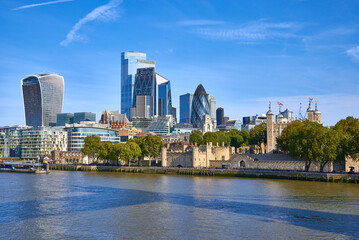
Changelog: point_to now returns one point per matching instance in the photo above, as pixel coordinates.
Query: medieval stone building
(275, 127)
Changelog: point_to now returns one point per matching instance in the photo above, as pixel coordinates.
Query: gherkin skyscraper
(200, 106)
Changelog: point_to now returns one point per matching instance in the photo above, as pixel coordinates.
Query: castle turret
(317, 114)
(164, 157)
(310, 111)
(270, 129)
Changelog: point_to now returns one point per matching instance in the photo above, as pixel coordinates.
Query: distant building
(185, 108)
(174, 113)
(225, 120)
(77, 133)
(251, 121)
(64, 118)
(160, 124)
(231, 124)
(130, 62)
(219, 116)
(115, 120)
(200, 106)
(183, 128)
(43, 96)
(207, 124)
(164, 96)
(212, 106)
(69, 118)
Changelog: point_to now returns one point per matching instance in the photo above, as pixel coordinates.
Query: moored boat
(23, 167)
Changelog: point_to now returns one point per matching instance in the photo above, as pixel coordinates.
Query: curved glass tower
(200, 106)
(43, 96)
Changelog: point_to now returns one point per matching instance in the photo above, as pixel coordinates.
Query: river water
(92, 205)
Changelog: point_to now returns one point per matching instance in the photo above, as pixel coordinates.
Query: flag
(281, 104)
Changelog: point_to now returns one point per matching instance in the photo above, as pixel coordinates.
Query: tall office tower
(43, 96)
(200, 106)
(219, 115)
(164, 96)
(145, 85)
(174, 113)
(212, 106)
(130, 62)
(185, 108)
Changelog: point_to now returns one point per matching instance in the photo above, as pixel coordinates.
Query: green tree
(92, 146)
(310, 141)
(132, 151)
(348, 132)
(196, 137)
(258, 135)
(106, 151)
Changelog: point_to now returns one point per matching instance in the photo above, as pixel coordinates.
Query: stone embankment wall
(278, 162)
(272, 174)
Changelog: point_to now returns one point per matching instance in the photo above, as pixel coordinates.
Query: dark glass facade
(130, 62)
(219, 116)
(200, 106)
(43, 98)
(164, 99)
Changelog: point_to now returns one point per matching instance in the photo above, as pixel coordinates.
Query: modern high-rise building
(130, 62)
(212, 106)
(164, 96)
(185, 108)
(43, 96)
(174, 113)
(219, 115)
(200, 106)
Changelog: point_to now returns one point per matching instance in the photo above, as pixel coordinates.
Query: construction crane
(300, 115)
(185, 117)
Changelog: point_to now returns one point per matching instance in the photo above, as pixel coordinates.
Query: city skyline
(245, 60)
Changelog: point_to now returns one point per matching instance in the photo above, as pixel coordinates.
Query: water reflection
(140, 206)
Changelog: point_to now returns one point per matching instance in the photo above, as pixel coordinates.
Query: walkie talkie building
(43, 96)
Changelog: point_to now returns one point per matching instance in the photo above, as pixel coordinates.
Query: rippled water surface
(81, 205)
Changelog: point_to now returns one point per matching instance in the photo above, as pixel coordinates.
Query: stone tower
(164, 157)
(310, 112)
(270, 130)
(317, 115)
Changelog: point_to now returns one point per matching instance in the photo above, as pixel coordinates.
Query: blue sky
(245, 53)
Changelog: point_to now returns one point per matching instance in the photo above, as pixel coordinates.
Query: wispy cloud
(249, 32)
(201, 22)
(354, 53)
(41, 4)
(107, 12)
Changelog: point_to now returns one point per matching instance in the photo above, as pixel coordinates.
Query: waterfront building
(11, 136)
(43, 98)
(200, 106)
(77, 132)
(64, 118)
(40, 141)
(185, 108)
(130, 62)
(67, 157)
(219, 115)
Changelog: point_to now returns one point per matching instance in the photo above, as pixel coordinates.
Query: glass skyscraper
(200, 106)
(43, 96)
(130, 62)
(164, 96)
(185, 108)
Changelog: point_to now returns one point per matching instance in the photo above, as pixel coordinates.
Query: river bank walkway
(247, 173)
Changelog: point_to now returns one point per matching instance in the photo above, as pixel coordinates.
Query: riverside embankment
(248, 173)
